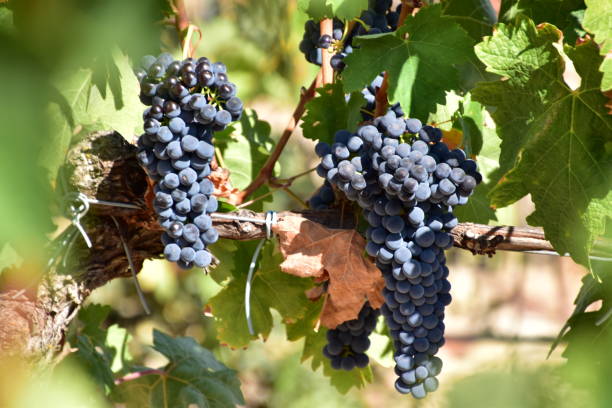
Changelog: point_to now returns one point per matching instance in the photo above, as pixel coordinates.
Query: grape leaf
(193, 377)
(552, 137)
(101, 351)
(113, 103)
(270, 289)
(592, 290)
(79, 104)
(312, 250)
(420, 68)
(560, 13)
(598, 20)
(315, 9)
(475, 16)
(330, 112)
(314, 341)
(347, 9)
(464, 119)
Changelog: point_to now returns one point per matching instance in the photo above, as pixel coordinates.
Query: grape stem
(267, 171)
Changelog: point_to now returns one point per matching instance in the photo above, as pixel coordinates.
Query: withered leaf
(312, 250)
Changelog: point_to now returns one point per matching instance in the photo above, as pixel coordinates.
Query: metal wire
(128, 255)
(270, 220)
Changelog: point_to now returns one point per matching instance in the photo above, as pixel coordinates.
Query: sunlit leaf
(420, 68)
(552, 136)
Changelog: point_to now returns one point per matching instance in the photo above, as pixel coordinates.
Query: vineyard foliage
(523, 93)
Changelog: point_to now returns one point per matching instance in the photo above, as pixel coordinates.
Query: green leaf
(245, 147)
(114, 102)
(468, 116)
(96, 363)
(598, 21)
(230, 261)
(552, 136)
(420, 68)
(6, 20)
(270, 289)
(102, 352)
(347, 9)
(560, 13)
(355, 103)
(587, 332)
(79, 104)
(225, 206)
(330, 112)
(92, 317)
(315, 9)
(475, 16)
(314, 341)
(193, 377)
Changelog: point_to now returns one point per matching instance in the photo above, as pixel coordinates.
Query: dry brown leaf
(220, 178)
(312, 250)
(315, 293)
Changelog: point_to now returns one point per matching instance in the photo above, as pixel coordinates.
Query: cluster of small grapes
(407, 182)
(347, 343)
(187, 102)
(377, 19)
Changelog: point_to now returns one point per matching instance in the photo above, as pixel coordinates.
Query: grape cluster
(188, 101)
(378, 19)
(347, 343)
(407, 182)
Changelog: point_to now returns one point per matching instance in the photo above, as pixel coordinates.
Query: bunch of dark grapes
(407, 182)
(347, 343)
(378, 19)
(188, 101)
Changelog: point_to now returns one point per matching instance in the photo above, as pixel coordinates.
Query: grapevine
(409, 125)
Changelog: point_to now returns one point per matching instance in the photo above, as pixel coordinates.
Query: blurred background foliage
(507, 309)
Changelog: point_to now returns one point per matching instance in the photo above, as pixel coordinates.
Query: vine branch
(266, 172)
